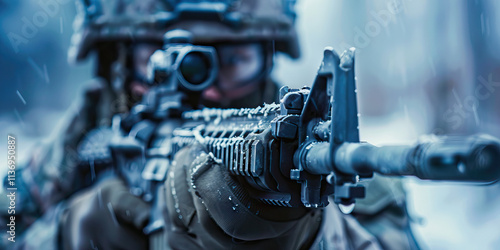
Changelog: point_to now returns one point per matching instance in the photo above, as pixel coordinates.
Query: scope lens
(488, 157)
(195, 68)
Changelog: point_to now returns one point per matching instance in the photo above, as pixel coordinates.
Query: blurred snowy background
(422, 67)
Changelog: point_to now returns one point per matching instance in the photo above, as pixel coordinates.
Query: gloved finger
(127, 207)
(179, 198)
(90, 222)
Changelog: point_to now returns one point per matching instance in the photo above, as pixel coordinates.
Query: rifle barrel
(473, 158)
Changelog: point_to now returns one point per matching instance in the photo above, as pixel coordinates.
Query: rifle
(295, 153)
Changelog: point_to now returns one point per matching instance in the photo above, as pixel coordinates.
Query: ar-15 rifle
(295, 153)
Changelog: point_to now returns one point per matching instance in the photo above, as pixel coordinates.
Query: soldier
(246, 35)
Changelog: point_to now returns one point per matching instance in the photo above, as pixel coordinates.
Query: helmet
(148, 20)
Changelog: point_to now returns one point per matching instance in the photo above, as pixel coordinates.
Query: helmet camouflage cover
(148, 20)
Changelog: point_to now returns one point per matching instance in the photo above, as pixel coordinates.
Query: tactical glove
(208, 209)
(106, 216)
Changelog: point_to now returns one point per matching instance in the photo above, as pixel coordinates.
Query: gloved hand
(106, 216)
(208, 209)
